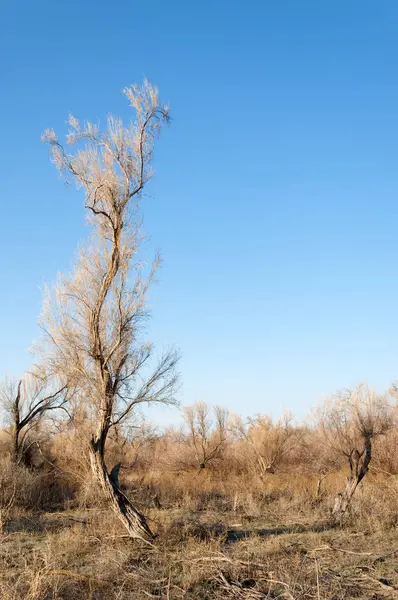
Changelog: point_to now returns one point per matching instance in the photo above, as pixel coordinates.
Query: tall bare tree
(27, 403)
(93, 319)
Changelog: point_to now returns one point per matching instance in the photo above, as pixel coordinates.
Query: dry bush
(385, 459)
(271, 445)
(206, 436)
(351, 422)
(32, 489)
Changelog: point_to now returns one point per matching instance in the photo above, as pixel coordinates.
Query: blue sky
(275, 195)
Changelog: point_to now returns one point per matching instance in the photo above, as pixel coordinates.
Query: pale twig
(329, 547)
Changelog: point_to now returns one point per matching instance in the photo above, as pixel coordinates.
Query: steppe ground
(263, 538)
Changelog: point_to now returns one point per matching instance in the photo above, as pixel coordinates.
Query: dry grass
(217, 538)
(225, 532)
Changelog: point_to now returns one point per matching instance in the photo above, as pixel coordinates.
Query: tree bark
(343, 500)
(16, 449)
(114, 475)
(17, 424)
(134, 522)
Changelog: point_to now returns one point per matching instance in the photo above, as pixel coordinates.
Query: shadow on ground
(184, 528)
(235, 535)
(39, 523)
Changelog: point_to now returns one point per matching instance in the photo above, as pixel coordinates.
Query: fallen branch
(330, 547)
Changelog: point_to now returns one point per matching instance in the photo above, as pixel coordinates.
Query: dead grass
(217, 539)
(223, 533)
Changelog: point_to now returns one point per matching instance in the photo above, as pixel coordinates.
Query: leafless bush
(206, 437)
(271, 443)
(351, 422)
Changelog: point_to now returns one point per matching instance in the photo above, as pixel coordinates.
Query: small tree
(27, 403)
(206, 438)
(351, 423)
(271, 442)
(93, 320)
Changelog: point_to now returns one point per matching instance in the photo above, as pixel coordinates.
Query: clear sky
(275, 195)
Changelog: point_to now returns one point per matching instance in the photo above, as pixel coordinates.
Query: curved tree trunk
(102, 307)
(134, 522)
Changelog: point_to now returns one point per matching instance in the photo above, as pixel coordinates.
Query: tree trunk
(343, 500)
(17, 425)
(134, 522)
(16, 449)
(201, 467)
(359, 466)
